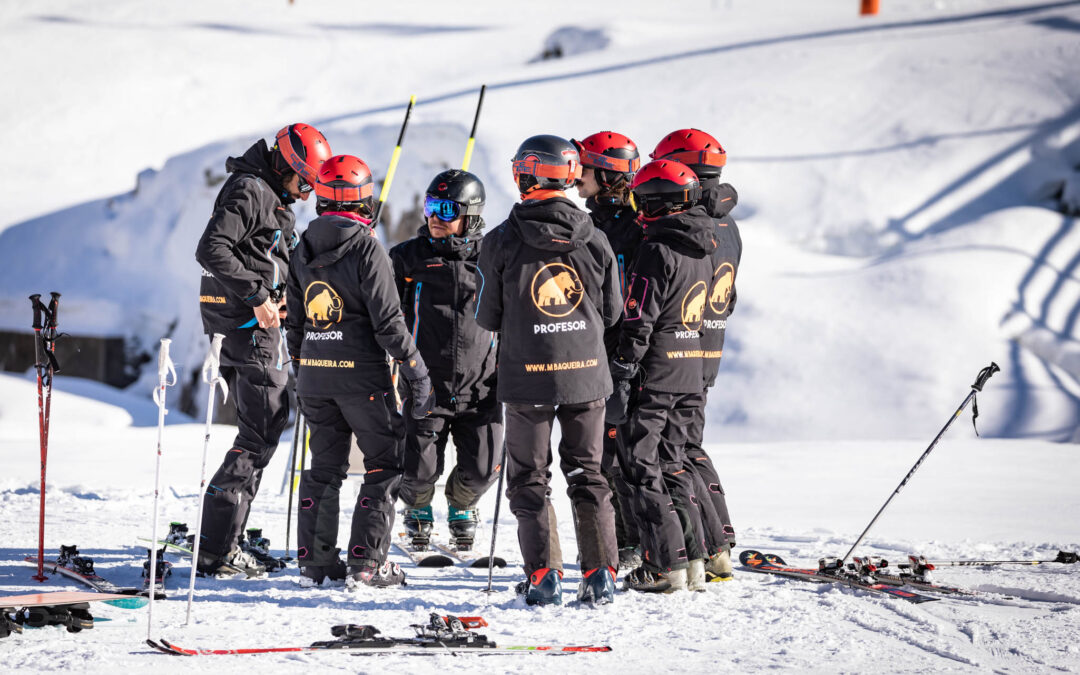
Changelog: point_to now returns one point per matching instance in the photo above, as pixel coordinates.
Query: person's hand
(421, 390)
(622, 373)
(267, 314)
(283, 313)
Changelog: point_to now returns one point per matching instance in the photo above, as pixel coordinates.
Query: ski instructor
(244, 254)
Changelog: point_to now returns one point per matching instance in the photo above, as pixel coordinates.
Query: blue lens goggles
(444, 209)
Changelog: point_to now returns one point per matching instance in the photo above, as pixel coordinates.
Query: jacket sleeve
(397, 262)
(489, 270)
(612, 301)
(644, 301)
(234, 218)
(295, 316)
(383, 304)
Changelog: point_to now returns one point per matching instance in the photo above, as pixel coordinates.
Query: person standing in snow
(436, 279)
(660, 338)
(344, 318)
(244, 254)
(704, 154)
(550, 286)
(608, 163)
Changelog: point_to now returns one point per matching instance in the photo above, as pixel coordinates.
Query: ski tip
(436, 561)
(749, 555)
(483, 562)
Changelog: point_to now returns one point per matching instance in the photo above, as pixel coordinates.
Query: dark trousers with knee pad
(253, 366)
(380, 434)
(622, 497)
(477, 434)
(665, 499)
(529, 458)
(719, 532)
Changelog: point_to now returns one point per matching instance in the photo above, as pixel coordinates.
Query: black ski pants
(719, 532)
(529, 458)
(664, 493)
(254, 367)
(622, 497)
(380, 434)
(477, 433)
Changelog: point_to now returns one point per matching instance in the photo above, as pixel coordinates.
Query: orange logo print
(723, 282)
(557, 290)
(693, 306)
(322, 305)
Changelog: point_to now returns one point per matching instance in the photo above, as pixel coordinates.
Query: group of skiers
(610, 320)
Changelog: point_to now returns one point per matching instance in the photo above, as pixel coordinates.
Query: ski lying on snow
(755, 561)
(469, 557)
(185, 551)
(137, 597)
(422, 557)
(441, 635)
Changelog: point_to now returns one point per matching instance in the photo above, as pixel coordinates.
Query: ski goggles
(304, 186)
(445, 210)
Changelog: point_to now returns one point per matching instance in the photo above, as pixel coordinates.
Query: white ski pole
(165, 371)
(210, 375)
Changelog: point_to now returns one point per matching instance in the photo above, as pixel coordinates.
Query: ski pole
(472, 134)
(39, 365)
(212, 377)
(165, 370)
(980, 381)
(1062, 557)
(495, 523)
(292, 479)
(394, 158)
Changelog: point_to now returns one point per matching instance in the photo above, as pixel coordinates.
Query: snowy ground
(904, 188)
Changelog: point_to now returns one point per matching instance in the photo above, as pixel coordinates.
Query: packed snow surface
(906, 183)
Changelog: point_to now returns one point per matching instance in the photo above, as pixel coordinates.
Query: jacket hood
(690, 231)
(257, 160)
(328, 238)
(554, 224)
(718, 198)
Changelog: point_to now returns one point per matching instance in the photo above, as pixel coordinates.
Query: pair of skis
(436, 553)
(81, 569)
(441, 635)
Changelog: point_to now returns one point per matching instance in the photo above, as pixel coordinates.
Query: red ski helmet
(301, 148)
(345, 183)
(694, 148)
(612, 155)
(546, 162)
(663, 187)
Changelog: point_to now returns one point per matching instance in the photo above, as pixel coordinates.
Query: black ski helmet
(546, 162)
(465, 189)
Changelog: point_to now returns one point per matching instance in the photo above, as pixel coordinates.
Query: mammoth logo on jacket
(722, 282)
(322, 304)
(557, 290)
(693, 306)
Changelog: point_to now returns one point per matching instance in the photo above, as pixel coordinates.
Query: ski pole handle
(54, 309)
(985, 375)
(35, 300)
(472, 134)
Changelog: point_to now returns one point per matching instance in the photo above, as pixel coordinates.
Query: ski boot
(462, 524)
(543, 587)
(237, 564)
(258, 547)
(647, 581)
(718, 568)
(598, 586)
(8, 625)
(418, 523)
(695, 576)
(317, 575)
(69, 557)
(371, 573)
(629, 558)
(178, 534)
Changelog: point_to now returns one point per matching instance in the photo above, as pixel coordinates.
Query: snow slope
(901, 179)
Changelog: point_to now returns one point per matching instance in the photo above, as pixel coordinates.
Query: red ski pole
(39, 365)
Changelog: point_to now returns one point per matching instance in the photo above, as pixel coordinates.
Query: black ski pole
(498, 502)
(980, 381)
(292, 479)
(394, 158)
(472, 134)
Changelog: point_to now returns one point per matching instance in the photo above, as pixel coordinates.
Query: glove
(622, 374)
(415, 372)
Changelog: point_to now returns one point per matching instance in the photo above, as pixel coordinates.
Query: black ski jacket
(244, 251)
(344, 315)
(666, 306)
(549, 284)
(436, 279)
(619, 224)
(719, 199)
